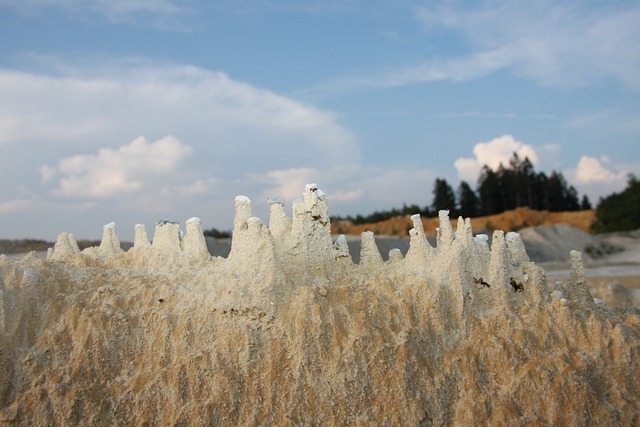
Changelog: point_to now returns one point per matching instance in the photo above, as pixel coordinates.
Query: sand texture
(288, 330)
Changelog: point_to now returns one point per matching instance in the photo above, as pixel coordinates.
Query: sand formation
(289, 331)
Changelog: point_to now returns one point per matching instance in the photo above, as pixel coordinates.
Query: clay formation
(289, 331)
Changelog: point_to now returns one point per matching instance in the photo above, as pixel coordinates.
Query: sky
(134, 111)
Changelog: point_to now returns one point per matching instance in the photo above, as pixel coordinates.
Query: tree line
(514, 185)
(619, 211)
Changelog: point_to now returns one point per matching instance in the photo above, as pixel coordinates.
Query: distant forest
(514, 185)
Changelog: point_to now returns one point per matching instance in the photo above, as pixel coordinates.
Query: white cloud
(598, 177)
(591, 169)
(468, 169)
(111, 172)
(47, 173)
(493, 153)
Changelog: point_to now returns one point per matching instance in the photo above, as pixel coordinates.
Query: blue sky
(138, 110)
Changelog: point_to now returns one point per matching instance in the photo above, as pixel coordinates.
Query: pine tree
(468, 202)
(562, 196)
(524, 176)
(443, 197)
(489, 191)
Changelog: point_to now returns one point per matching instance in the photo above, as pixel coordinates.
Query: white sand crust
(288, 330)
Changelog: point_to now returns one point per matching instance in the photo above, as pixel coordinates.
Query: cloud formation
(553, 43)
(203, 108)
(561, 44)
(70, 135)
(112, 172)
(598, 177)
(493, 153)
(592, 170)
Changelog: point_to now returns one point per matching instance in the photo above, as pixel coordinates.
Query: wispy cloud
(554, 43)
(606, 121)
(494, 115)
(168, 14)
(109, 7)
(560, 44)
(458, 69)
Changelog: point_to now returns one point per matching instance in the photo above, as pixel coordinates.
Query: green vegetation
(443, 196)
(619, 211)
(601, 250)
(468, 202)
(213, 232)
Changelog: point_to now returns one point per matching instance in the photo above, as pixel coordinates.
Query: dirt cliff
(289, 331)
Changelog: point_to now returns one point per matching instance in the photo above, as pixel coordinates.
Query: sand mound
(554, 242)
(287, 330)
